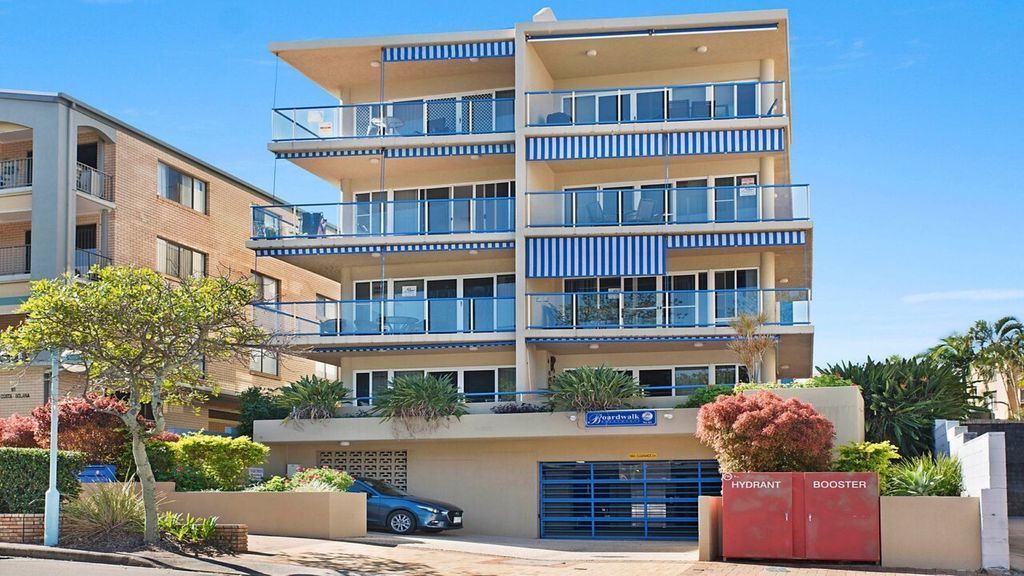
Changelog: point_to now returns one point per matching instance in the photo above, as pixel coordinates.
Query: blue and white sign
(610, 418)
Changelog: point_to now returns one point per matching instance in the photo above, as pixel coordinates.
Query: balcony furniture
(329, 327)
(558, 118)
(313, 223)
(387, 125)
(722, 111)
(403, 325)
(678, 109)
(438, 126)
(700, 109)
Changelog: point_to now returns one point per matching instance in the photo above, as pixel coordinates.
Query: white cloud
(979, 295)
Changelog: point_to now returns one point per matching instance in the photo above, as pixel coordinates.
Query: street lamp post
(51, 532)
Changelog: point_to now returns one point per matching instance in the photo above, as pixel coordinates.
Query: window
(485, 384)
(681, 380)
(263, 362)
(328, 371)
(267, 289)
(182, 188)
(176, 260)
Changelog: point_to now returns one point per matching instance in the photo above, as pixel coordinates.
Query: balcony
(399, 316)
(658, 205)
(720, 101)
(16, 173)
(384, 218)
(667, 308)
(86, 259)
(439, 117)
(93, 182)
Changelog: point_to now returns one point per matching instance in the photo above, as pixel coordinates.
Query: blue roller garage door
(625, 500)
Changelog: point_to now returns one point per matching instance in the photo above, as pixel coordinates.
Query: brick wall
(1014, 432)
(22, 528)
(231, 537)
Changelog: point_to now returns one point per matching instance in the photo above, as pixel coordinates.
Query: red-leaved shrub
(101, 436)
(17, 431)
(764, 433)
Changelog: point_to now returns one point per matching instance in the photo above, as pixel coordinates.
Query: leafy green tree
(141, 338)
(1000, 353)
(751, 344)
(257, 403)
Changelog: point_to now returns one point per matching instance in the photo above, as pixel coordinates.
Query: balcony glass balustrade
(719, 101)
(667, 308)
(384, 218)
(465, 315)
(437, 117)
(659, 204)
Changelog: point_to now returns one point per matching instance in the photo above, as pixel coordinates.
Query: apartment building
(80, 188)
(515, 203)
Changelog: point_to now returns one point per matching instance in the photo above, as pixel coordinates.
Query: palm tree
(959, 353)
(1000, 352)
(751, 345)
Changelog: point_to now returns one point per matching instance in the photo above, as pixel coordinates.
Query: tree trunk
(148, 481)
(1012, 395)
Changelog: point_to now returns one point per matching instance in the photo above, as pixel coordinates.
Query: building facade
(80, 188)
(516, 203)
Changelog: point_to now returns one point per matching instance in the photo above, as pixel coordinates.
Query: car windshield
(383, 487)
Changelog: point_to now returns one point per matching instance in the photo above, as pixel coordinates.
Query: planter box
(801, 515)
(931, 532)
(324, 515)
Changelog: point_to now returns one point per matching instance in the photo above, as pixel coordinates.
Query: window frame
(196, 185)
(169, 246)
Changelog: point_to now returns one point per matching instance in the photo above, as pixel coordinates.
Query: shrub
(312, 398)
(191, 479)
(257, 403)
(763, 433)
(702, 396)
(223, 462)
(25, 476)
(272, 484)
(420, 400)
(826, 380)
(588, 388)
(336, 479)
(904, 397)
(187, 529)
(161, 454)
(924, 476)
(315, 486)
(17, 431)
(111, 511)
(866, 457)
(100, 436)
(518, 408)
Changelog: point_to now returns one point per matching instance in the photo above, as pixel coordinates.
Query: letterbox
(801, 515)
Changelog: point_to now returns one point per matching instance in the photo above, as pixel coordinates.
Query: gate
(654, 500)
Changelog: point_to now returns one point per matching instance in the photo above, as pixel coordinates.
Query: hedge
(25, 476)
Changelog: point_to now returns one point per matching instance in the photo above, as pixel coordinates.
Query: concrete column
(53, 202)
(104, 239)
(766, 177)
(769, 92)
(769, 366)
(767, 282)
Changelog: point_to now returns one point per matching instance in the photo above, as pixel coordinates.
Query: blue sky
(905, 124)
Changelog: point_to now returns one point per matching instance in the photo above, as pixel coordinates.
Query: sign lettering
(609, 418)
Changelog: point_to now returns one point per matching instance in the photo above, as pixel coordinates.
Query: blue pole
(51, 533)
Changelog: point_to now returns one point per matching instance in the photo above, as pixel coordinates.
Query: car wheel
(401, 522)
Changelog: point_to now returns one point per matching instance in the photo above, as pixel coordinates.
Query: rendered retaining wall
(931, 532)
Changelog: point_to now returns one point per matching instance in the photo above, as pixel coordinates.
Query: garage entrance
(625, 500)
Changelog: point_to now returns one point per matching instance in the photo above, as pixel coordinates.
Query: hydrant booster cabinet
(801, 516)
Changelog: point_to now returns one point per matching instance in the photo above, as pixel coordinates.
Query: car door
(374, 503)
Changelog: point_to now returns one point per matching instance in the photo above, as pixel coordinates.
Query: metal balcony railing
(718, 101)
(93, 182)
(387, 316)
(667, 308)
(388, 218)
(438, 117)
(15, 260)
(656, 204)
(86, 258)
(15, 173)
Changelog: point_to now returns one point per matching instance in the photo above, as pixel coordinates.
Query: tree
(751, 345)
(1000, 352)
(97, 433)
(142, 339)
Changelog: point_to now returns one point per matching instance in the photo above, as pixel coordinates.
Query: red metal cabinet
(796, 515)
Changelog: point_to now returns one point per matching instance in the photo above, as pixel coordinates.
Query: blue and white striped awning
(327, 154)
(595, 256)
(426, 152)
(328, 250)
(496, 49)
(599, 339)
(734, 239)
(405, 347)
(418, 152)
(644, 145)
